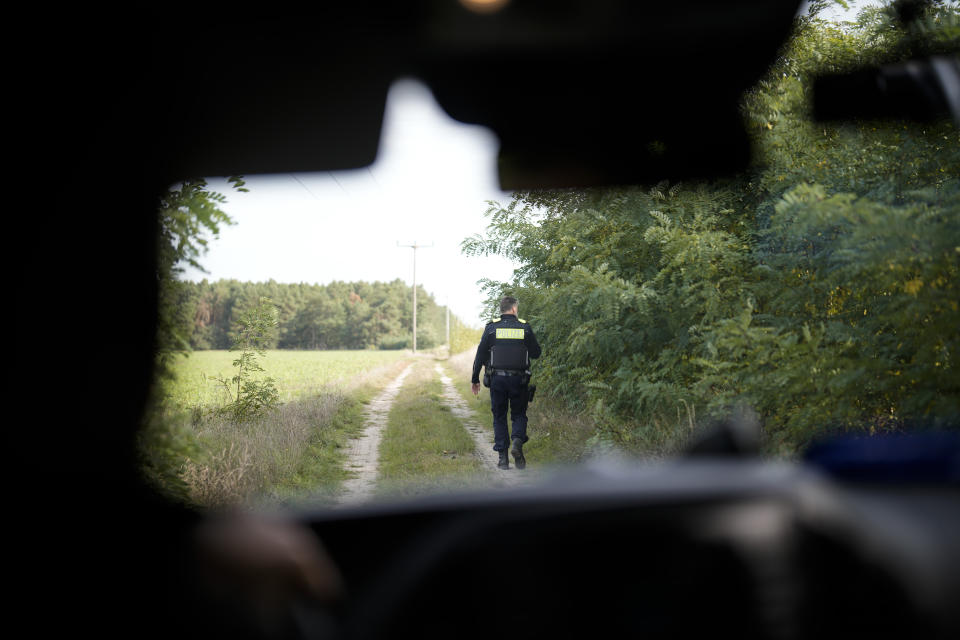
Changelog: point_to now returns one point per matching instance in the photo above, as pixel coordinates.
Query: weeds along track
(483, 439)
(364, 451)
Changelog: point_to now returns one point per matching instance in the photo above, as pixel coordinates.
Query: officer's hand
(265, 577)
(263, 565)
(475, 387)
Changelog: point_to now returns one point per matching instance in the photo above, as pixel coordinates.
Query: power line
(338, 182)
(304, 186)
(374, 178)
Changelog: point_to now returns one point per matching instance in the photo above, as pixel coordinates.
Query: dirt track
(363, 455)
(482, 437)
(364, 450)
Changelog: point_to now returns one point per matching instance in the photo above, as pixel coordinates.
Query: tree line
(820, 288)
(338, 315)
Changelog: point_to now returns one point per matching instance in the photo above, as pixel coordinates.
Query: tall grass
(296, 452)
(223, 462)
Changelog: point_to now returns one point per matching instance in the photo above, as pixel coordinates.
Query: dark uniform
(505, 349)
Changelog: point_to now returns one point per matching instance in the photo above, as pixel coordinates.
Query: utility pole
(415, 246)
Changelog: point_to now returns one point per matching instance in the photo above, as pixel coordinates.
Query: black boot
(504, 460)
(517, 451)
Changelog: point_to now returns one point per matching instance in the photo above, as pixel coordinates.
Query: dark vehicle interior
(861, 539)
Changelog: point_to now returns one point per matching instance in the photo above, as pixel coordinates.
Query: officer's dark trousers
(508, 392)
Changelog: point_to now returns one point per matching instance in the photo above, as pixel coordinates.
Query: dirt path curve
(483, 439)
(364, 451)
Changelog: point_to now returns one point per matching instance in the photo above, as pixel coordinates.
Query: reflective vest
(508, 348)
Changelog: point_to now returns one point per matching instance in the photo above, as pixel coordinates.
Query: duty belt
(501, 372)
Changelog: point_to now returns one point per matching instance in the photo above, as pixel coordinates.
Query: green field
(297, 373)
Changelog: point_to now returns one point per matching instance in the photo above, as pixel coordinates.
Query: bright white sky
(430, 184)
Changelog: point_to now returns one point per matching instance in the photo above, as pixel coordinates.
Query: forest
(819, 290)
(338, 315)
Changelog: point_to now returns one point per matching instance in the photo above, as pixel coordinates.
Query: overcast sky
(430, 184)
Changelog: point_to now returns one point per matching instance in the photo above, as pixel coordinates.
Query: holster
(486, 378)
(532, 389)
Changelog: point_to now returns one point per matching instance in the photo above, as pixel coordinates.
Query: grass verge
(295, 454)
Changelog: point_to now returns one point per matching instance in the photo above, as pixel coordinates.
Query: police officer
(505, 349)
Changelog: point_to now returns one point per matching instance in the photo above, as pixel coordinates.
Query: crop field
(296, 373)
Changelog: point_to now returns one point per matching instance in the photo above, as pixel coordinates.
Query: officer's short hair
(508, 303)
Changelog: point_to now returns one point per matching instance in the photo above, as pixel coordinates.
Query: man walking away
(505, 350)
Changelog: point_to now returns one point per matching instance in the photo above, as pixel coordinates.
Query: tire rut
(363, 456)
(483, 439)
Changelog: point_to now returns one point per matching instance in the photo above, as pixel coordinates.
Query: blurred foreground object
(266, 577)
(923, 90)
(579, 93)
(904, 458)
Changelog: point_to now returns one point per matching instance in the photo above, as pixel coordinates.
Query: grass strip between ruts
(425, 448)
